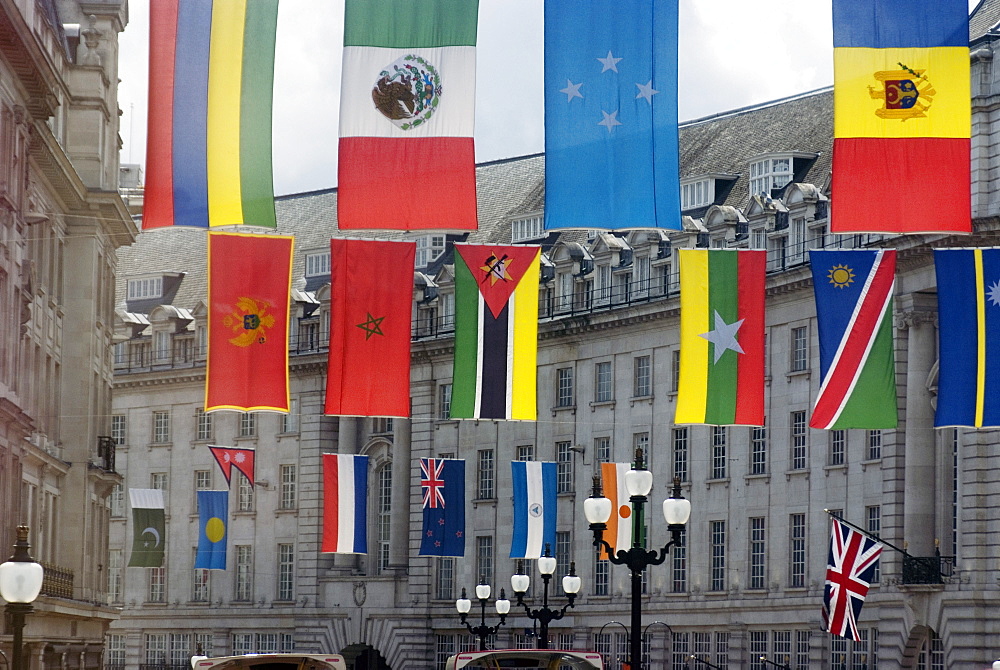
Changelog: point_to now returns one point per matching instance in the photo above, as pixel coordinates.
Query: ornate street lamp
(766, 661)
(544, 615)
(707, 664)
(463, 605)
(20, 583)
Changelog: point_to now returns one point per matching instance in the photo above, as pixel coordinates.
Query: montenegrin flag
(902, 116)
(619, 532)
(496, 332)
(249, 281)
(213, 520)
(534, 484)
(853, 291)
(149, 528)
(208, 151)
(722, 337)
(345, 500)
(407, 109)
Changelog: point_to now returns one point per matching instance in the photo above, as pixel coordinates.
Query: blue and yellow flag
(213, 515)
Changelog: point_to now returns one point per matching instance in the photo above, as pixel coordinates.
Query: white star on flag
(610, 120)
(723, 336)
(572, 90)
(646, 91)
(609, 62)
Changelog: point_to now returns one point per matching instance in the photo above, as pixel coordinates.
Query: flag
(496, 332)
(854, 316)
(611, 158)
(901, 115)
(213, 521)
(368, 373)
(722, 337)
(227, 457)
(968, 286)
(849, 571)
(208, 151)
(534, 485)
(149, 528)
(619, 532)
(345, 500)
(249, 281)
(442, 481)
(407, 108)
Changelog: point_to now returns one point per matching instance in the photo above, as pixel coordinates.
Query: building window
(446, 306)
(203, 424)
(696, 194)
(248, 424)
(158, 481)
(679, 569)
(602, 575)
(770, 173)
(115, 650)
(318, 265)
(116, 564)
(719, 458)
(245, 494)
(486, 474)
(758, 553)
(718, 538)
(288, 487)
(800, 349)
(681, 454)
(161, 345)
(308, 335)
(244, 572)
(777, 253)
(675, 370)
(200, 592)
(564, 467)
(156, 649)
(838, 445)
(873, 515)
(563, 548)
(799, 436)
(384, 516)
(118, 429)
(202, 480)
(524, 452)
(116, 501)
(758, 450)
(758, 648)
(758, 238)
(444, 401)
(290, 421)
(161, 427)
(564, 388)
(382, 426)
(640, 443)
(797, 550)
(602, 382)
(286, 572)
(484, 559)
(157, 591)
(642, 385)
(602, 449)
(444, 578)
(528, 228)
(874, 445)
(148, 287)
(429, 247)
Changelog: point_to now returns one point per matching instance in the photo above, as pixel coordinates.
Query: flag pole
(869, 534)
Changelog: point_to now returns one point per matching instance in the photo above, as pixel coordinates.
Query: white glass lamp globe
(676, 511)
(483, 591)
(546, 565)
(571, 584)
(597, 510)
(520, 583)
(638, 482)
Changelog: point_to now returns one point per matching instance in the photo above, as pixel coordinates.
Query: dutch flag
(345, 484)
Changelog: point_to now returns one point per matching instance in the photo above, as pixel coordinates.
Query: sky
(732, 53)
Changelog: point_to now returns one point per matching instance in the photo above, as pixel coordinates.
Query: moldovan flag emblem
(213, 517)
(619, 533)
(496, 332)
(534, 484)
(722, 337)
(407, 109)
(345, 499)
(368, 372)
(249, 281)
(149, 528)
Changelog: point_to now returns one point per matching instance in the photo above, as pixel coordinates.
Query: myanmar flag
(407, 109)
(722, 337)
(496, 332)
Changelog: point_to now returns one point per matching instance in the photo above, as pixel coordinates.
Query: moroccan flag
(722, 337)
(368, 372)
(968, 286)
(149, 528)
(208, 151)
(249, 281)
(619, 532)
(227, 457)
(407, 108)
(901, 115)
(345, 499)
(534, 484)
(611, 158)
(496, 332)
(850, 569)
(442, 481)
(213, 520)
(854, 315)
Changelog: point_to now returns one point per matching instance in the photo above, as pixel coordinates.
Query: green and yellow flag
(149, 528)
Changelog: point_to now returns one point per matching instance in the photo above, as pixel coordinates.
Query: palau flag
(611, 158)
(619, 532)
(496, 332)
(902, 116)
(854, 316)
(722, 337)
(534, 485)
(968, 285)
(442, 481)
(407, 109)
(213, 518)
(249, 281)
(229, 457)
(345, 501)
(371, 304)
(149, 528)
(208, 149)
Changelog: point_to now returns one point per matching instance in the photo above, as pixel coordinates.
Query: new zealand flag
(442, 481)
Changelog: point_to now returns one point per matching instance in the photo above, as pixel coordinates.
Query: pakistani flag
(149, 528)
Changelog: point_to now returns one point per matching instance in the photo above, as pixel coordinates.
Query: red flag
(249, 280)
(369, 365)
(228, 457)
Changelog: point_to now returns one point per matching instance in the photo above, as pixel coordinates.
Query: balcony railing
(57, 581)
(927, 569)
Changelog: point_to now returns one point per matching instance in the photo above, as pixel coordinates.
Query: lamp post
(766, 661)
(676, 511)
(544, 615)
(20, 583)
(463, 605)
(704, 662)
(611, 645)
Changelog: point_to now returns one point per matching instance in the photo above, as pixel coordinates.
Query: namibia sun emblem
(841, 276)
(408, 91)
(251, 320)
(905, 93)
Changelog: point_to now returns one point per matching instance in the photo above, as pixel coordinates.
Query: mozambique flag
(149, 528)
(407, 107)
(496, 332)
(722, 337)
(902, 115)
(208, 151)
(213, 518)
(368, 373)
(249, 281)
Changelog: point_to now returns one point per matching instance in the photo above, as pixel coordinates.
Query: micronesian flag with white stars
(611, 157)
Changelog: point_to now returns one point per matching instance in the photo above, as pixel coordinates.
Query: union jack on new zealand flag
(852, 563)
(443, 484)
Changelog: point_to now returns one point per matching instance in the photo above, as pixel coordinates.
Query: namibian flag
(902, 115)
(854, 314)
(345, 499)
(968, 285)
(407, 109)
(619, 533)
(534, 485)
(213, 517)
(722, 337)
(208, 150)
(496, 332)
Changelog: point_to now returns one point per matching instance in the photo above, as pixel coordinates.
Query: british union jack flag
(432, 482)
(852, 563)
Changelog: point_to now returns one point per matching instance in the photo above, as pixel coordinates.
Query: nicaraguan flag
(442, 482)
(534, 485)
(213, 518)
(345, 496)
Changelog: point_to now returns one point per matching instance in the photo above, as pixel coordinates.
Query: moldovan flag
(496, 332)
(901, 115)
(227, 457)
(407, 109)
(534, 485)
(345, 499)
(213, 519)
(249, 281)
(208, 154)
(854, 315)
(722, 337)
(968, 285)
(619, 533)
(149, 528)
(442, 481)
(368, 372)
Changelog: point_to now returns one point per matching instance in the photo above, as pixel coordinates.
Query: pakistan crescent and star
(723, 337)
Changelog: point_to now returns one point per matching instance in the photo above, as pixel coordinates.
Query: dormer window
(318, 264)
(145, 287)
(429, 247)
(770, 173)
(696, 194)
(527, 228)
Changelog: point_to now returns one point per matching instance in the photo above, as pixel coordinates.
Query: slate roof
(984, 19)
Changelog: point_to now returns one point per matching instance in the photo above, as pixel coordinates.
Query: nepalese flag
(902, 115)
(228, 457)
(853, 291)
(407, 109)
(213, 518)
(208, 151)
(249, 282)
(534, 485)
(619, 532)
(849, 571)
(149, 528)
(442, 481)
(345, 501)
(968, 286)
(722, 337)
(611, 150)
(496, 332)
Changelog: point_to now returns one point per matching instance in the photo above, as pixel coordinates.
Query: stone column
(402, 471)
